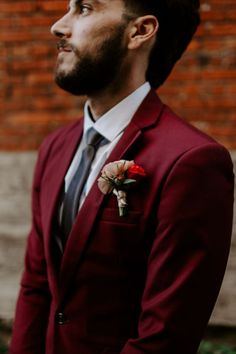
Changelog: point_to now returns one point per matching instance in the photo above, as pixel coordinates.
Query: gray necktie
(72, 197)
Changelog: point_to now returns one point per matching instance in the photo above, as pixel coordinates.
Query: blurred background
(202, 89)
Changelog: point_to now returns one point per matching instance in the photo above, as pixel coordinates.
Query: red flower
(135, 171)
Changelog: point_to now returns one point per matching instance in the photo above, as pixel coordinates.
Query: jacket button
(60, 318)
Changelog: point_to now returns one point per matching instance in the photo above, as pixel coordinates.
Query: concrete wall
(15, 184)
(225, 309)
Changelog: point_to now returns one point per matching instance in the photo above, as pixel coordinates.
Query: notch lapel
(59, 164)
(147, 115)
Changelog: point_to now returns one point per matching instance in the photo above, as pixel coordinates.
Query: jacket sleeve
(188, 255)
(32, 309)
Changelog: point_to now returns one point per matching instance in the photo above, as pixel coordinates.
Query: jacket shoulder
(179, 136)
(172, 139)
(59, 135)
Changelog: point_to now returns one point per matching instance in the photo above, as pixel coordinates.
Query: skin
(86, 25)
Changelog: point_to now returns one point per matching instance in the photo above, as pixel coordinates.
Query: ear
(142, 31)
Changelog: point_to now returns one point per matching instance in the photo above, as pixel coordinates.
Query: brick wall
(202, 87)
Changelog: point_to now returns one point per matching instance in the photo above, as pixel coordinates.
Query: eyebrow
(76, 3)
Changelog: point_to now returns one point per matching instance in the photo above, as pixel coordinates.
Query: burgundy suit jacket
(141, 284)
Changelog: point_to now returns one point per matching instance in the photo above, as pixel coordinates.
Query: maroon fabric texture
(141, 284)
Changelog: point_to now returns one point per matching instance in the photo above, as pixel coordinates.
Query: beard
(93, 73)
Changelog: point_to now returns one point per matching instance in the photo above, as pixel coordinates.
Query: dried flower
(116, 177)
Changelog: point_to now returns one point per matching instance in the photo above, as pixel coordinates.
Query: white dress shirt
(111, 125)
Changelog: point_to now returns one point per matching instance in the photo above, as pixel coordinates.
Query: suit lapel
(147, 115)
(60, 164)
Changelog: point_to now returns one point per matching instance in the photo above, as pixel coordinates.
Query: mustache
(63, 44)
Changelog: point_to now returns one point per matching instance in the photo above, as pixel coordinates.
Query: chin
(63, 70)
(65, 66)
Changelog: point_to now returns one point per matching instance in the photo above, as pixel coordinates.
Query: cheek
(88, 36)
(81, 38)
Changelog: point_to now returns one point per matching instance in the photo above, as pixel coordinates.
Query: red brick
(16, 7)
(40, 118)
(222, 4)
(41, 78)
(216, 15)
(13, 22)
(216, 29)
(207, 74)
(53, 6)
(29, 66)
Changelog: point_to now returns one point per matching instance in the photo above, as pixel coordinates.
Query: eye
(84, 9)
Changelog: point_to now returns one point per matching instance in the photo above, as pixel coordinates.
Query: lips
(63, 47)
(67, 50)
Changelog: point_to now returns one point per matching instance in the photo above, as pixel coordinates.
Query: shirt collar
(113, 122)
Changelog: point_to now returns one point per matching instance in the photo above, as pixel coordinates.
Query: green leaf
(205, 348)
(128, 181)
(210, 348)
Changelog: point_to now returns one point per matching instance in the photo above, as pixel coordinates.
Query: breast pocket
(118, 235)
(112, 215)
(111, 351)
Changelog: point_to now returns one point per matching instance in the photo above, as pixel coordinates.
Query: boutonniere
(117, 177)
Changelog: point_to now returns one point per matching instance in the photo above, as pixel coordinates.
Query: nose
(61, 28)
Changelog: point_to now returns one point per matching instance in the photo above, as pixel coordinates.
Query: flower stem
(122, 211)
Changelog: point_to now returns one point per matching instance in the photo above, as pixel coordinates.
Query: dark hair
(178, 21)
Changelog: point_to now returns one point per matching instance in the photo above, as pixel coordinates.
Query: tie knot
(94, 138)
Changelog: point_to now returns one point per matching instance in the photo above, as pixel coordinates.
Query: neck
(103, 101)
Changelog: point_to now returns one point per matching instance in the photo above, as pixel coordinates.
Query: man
(143, 281)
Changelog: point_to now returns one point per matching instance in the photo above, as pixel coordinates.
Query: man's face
(91, 45)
